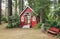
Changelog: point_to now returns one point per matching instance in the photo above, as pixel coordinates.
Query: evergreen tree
(39, 7)
(10, 11)
(9, 7)
(0, 11)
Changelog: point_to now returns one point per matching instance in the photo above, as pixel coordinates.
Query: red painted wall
(33, 23)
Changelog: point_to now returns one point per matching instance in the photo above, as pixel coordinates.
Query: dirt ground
(18, 33)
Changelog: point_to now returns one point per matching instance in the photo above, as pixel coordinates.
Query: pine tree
(9, 7)
(15, 6)
(10, 11)
(0, 11)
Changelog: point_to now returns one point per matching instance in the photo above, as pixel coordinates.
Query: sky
(25, 3)
(4, 3)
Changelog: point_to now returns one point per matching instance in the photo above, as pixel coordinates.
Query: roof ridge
(26, 8)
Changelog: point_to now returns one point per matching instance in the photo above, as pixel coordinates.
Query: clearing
(19, 33)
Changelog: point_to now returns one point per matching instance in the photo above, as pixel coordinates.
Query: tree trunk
(9, 11)
(0, 11)
(42, 16)
(10, 7)
(19, 6)
(42, 20)
(6, 9)
(59, 1)
(22, 4)
(15, 6)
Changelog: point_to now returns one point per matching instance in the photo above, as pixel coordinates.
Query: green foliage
(38, 25)
(50, 16)
(14, 21)
(52, 24)
(3, 19)
(53, 17)
(36, 5)
(41, 7)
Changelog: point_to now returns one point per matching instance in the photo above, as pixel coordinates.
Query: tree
(9, 7)
(39, 7)
(15, 6)
(9, 11)
(22, 4)
(19, 6)
(0, 11)
(6, 8)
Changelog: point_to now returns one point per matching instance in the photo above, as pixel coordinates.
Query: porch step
(26, 26)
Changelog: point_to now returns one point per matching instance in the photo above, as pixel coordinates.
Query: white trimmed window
(22, 19)
(34, 18)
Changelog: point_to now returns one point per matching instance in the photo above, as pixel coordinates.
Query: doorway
(27, 18)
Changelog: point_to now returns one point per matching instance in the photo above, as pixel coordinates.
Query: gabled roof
(26, 8)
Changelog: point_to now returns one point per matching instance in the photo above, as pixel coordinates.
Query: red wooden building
(28, 17)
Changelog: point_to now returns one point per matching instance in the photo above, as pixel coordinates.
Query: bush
(38, 25)
(48, 24)
(14, 21)
(4, 19)
(52, 24)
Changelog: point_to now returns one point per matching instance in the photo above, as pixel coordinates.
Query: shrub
(38, 25)
(52, 24)
(4, 19)
(14, 21)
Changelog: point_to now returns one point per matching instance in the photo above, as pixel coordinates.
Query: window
(22, 19)
(34, 18)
